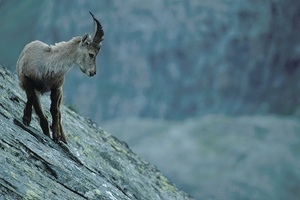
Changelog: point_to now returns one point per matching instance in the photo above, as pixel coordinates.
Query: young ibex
(41, 68)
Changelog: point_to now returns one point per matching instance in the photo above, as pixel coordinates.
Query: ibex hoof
(64, 140)
(56, 137)
(26, 121)
(56, 140)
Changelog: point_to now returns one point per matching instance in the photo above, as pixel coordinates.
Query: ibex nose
(92, 73)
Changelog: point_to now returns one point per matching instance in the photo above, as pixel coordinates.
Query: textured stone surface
(94, 165)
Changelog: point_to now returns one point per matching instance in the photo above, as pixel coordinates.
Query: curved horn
(98, 33)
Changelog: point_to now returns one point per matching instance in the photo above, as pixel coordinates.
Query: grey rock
(93, 165)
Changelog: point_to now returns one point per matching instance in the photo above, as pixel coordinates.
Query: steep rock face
(94, 165)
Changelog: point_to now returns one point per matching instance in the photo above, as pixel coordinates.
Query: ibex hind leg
(28, 107)
(39, 111)
(27, 112)
(33, 101)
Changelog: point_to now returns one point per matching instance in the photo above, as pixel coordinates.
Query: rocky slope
(94, 165)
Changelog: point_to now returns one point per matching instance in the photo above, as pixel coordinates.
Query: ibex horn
(98, 33)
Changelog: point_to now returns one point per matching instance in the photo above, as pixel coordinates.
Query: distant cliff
(198, 56)
(94, 164)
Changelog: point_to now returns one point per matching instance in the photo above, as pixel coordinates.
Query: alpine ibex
(41, 68)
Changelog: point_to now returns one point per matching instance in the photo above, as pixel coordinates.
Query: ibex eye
(91, 55)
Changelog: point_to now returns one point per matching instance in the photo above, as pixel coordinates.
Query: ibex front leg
(57, 130)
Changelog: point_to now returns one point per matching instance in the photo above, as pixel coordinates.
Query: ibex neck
(64, 55)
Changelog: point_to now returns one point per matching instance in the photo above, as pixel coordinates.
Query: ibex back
(41, 68)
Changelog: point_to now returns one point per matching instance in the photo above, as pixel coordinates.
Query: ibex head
(89, 48)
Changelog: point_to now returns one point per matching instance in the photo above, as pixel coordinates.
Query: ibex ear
(84, 39)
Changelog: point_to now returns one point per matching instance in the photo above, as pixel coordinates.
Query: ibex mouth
(90, 74)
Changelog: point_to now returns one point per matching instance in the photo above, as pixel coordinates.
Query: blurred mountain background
(175, 77)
